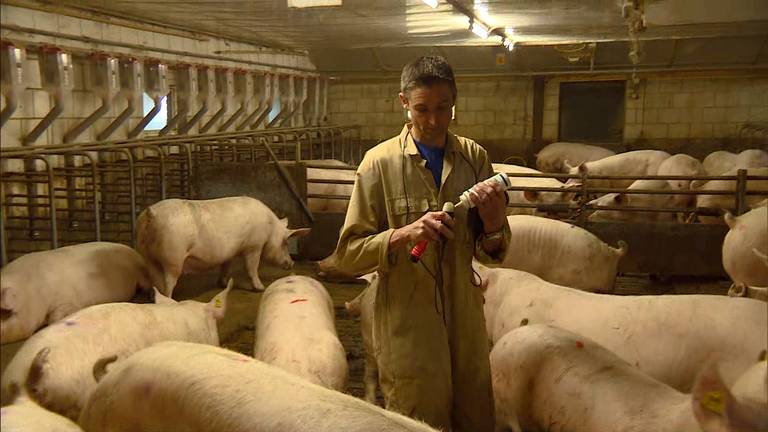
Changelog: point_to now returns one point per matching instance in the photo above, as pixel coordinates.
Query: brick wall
(695, 115)
(35, 102)
(494, 112)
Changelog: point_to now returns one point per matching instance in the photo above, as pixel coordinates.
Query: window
(592, 111)
(161, 119)
(275, 109)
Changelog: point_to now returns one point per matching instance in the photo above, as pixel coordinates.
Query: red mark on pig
(298, 300)
(579, 344)
(70, 323)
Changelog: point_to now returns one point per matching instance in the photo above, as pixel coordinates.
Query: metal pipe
(287, 180)
(158, 104)
(117, 122)
(215, 117)
(234, 117)
(183, 110)
(52, 115)
(72, 134)
(271, 82)
(196, 118)
(10, 107)
(741, 186)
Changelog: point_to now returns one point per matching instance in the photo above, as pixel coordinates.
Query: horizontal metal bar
(324, 181)
(339, 197)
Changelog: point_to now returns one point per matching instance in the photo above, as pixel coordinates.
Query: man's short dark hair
(426, 71)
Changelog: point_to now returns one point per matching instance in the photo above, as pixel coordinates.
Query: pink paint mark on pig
(298, 300)
(579, 344)
(70, 323)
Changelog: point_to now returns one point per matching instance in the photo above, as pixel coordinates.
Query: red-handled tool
(421, 246)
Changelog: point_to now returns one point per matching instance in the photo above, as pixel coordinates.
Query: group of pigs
(93, 361)
(566, 358)
(578, 159)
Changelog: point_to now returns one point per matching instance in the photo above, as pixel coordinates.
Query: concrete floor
(237, 329)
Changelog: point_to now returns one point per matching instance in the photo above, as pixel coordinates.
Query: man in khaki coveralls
(429, 330)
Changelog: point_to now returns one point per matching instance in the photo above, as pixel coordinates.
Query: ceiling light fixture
(431, 3)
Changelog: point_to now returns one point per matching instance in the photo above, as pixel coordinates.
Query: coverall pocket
(405, 210)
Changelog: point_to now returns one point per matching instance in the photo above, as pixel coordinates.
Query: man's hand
(491, 202)
(429, 227)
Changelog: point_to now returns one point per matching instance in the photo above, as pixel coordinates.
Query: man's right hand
(429, 227)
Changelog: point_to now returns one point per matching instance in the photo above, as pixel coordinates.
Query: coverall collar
(451, 144)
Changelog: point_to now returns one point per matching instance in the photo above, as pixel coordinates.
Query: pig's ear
(620, 198)
(583, 168)
(567, 165)
(301, 232)
(35, 374)
(7, 299)
(715, 408)
(218, 304)
(531, 196)
(284, 222)
(161, 299)
(100, 367)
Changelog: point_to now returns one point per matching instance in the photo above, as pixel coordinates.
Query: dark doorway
(592, 111)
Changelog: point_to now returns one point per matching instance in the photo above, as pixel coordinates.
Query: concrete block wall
(495, 112)
(69, 32)
(696, 114)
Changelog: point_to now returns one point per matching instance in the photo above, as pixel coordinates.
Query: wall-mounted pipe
(324, 103)
(283, 93)
(57, 78)
(185, 78)
(266, 104)
(11, 78)
(243, 88)
(316, 95)
(156, 86)
(131, 85)
(300, 108)
(259, 87)
(104, 79)
(224, 92)
(206, 91)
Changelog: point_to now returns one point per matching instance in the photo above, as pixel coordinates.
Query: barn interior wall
(495, 112)
(35, 102)
(695, 114)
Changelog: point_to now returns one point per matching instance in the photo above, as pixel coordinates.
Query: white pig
(24, 415)
(720, 162)
(633, 163)
(725, 202)
(160, 389)
(562, 253)
(752, 385)
(295, 331)
(328, 205)
(549, 379)
(189, 236)
(363, 306)
(745, 247)
(552, 156)
(630, 200)
(531, 197)
(681, 165)
(667, 336)
(42, 287)
(58, 359)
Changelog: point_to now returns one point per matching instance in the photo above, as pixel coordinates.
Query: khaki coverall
(429, 330)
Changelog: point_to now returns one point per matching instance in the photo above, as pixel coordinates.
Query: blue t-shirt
(434, 158)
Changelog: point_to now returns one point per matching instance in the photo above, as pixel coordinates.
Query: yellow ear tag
(217, 303)
(714, 401)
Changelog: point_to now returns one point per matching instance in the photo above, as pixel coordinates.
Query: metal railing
(95, 191)
(579, 207)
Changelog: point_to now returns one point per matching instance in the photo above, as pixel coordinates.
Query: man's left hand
(491, 202)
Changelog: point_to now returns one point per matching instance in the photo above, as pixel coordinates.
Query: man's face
(430, 109)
